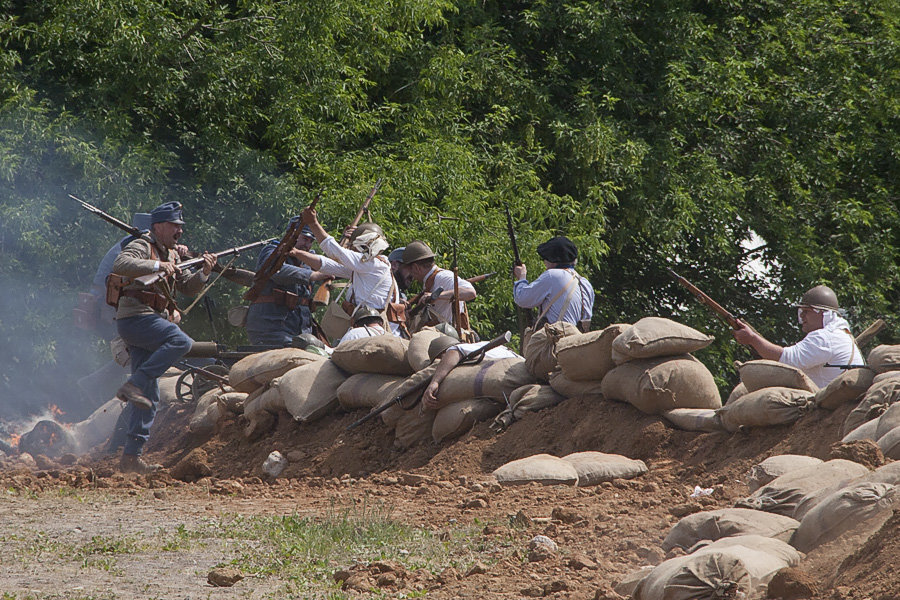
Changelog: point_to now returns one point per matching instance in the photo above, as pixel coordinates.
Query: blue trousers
(155, 344)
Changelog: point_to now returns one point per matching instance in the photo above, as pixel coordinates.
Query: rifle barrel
(107, 217)
(148, 280)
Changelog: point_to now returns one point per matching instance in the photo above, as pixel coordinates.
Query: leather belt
(289, 300)
(157, 302)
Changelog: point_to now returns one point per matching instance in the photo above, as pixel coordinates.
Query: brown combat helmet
(439, 345)
(821, 297)
(365, 228)
(363, 313)
(416, 251)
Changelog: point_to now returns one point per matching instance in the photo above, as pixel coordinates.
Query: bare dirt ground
(603, 533)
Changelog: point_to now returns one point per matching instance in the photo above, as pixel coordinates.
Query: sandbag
(728, 522)
(459, 417)
(739, 390)
(543, 468)
(568, 388)
(890, 443)
(741, 565)
(889, 473)
(256, 370)
(365, 390)
(528, 398)
(888, 420)
(168, 384)
(655, 385)
(588, 356)
(232, 402)
(783, 494)
(495, 379)
(879, 397)
(844, 510)
(758, 374)
(206, 413)
(866, 431)
(540, 352)
(653, 337)
(310, 392)
(265, 399)
(884, 358)
(417, 352)
(776, 466)
(849, 386)
(97, 427)
(384, 354)
(766, 407)
(413, 426)
(694, 419)
(594, 468)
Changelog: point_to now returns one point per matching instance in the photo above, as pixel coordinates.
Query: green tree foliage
(653, 134)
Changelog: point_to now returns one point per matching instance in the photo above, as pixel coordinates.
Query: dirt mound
(871, 571)
(614, 528)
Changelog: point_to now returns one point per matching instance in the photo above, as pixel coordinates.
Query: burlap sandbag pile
(877, 400)
(213, 407)
(256, 370)
(540, 350)
(581, 469)
(655, 371)
(528, 398)
(742, 566)
(770, 393)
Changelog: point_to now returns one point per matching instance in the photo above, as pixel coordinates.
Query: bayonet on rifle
(107, 217)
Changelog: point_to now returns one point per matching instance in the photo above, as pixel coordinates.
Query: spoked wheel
(193, 383)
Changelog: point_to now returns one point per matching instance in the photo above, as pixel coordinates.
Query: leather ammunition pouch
(290, 300)
(395, 312)
(115, 285)
(157, 302)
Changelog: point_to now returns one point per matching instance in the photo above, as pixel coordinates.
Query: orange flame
(55, 410)
(14, 440)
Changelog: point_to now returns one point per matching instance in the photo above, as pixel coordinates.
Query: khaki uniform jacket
(135, 260)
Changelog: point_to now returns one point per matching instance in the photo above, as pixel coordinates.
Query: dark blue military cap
(306, 231)
(170, 212)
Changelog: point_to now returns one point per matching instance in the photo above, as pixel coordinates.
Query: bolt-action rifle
(720, 311)
(522, 316)
(275, 261)
(322, 297)
(480, 278)
(416, 384)
(186, 265)
(239, 276)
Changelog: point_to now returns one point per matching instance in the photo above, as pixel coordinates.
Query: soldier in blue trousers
(281, 311)
(147, 320)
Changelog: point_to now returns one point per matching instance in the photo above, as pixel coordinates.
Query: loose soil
(603, 533)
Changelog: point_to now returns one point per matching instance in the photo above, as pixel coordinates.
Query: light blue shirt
(575, 306)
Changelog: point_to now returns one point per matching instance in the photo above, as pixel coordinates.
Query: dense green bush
(653, 134)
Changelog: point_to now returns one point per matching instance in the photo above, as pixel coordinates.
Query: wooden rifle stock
(480, 278)
(717, 308)
(274, 261)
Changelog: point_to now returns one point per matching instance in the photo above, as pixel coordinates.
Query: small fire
(55, 410)
(14, 440)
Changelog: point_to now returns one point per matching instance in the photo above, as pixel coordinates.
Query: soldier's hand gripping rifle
(421, 300)
(322, 297)
(727, 317)
(522, 316)
(416, 383)
(275, 261)
(239, 276)
(186, 265)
